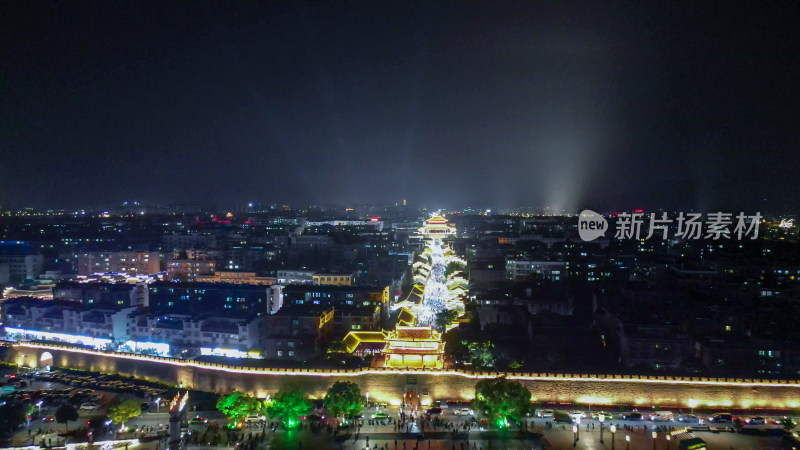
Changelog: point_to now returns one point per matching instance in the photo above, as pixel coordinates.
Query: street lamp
(39, 404)
(613, 433)
(575, 435)
(601, 418)
(668, 442)
(627, 442)
(655, 435)
(367, 394)
(578, 434)
(158, 404)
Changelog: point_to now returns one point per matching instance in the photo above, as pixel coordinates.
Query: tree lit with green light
(481, 355)
(498, 399)
(289, 406)
(124, 411)
(238, 405)
(344, 398)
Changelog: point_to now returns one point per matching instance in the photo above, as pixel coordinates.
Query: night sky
(446, 104)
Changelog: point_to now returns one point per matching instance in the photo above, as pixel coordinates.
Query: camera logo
(591, 225)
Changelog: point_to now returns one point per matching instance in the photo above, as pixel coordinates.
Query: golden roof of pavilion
(401, 333)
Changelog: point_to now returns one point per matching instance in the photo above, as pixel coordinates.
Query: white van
(662, 416)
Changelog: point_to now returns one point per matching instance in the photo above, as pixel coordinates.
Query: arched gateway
(46, 360)
(412, 401)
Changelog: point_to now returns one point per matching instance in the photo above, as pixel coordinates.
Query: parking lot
(90, 395)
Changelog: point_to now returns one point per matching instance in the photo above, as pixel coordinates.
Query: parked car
(544, 413)
(688, 418)
(89, 406)
(198, 421)
(632, 416)
(660, 416)
(755, 420)
(562, 416)
(603, 414)
(721, 418)
(577, 415)
(380, 416)
(255, 418)
(433, 411)
(463, 412)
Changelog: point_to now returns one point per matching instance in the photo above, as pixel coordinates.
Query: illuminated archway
(46, 359)
(411, 400)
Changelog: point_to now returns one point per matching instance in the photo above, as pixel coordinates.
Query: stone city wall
(389, 384)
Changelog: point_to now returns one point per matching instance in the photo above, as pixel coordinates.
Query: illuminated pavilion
(437, 228)
(405, 346)
(414, 347)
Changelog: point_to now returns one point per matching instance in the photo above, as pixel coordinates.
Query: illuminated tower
(437, 228)
(414, 347)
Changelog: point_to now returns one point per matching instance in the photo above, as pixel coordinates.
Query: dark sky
(446, 104)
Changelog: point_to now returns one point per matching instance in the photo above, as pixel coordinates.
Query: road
(557, 437)
(438, 439)
(384, 436)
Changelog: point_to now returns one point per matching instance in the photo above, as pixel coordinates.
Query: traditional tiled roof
(436, 220)
(406, 317)
(411, 333)
(354, 339)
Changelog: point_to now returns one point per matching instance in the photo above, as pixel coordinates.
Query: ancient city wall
(390, 384)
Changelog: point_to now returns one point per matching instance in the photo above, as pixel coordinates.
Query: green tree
(481, 355)
(124, 411)
(288, 405)
(238, 405)
(12, 415)
(455, 347)
(453, 267)
(500, 398)
(344, 398)
(65, 414)
(445, 317)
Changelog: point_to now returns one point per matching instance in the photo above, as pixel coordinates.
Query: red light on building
(638, 211)
(374, 219)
